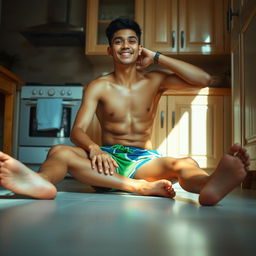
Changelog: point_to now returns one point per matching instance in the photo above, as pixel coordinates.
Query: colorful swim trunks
(130, 159)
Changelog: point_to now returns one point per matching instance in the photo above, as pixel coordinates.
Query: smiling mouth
(125, 53)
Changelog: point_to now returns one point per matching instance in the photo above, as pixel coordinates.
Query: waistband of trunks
(122, 148)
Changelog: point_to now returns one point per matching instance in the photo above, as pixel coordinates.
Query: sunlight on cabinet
(194, 127)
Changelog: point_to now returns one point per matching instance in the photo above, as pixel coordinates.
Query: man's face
(125, 47)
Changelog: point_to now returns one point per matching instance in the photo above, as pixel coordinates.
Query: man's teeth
(125, 53)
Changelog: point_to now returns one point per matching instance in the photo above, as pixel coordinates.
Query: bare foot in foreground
(157, 188)
(230, 172)
(18, 178)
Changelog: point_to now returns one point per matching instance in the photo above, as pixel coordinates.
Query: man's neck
(125, 75)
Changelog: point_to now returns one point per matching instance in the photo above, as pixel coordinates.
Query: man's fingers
(114, 163)
(104, 163)
(106, 166)
(99, 163)
(94, 162)
(112, 169)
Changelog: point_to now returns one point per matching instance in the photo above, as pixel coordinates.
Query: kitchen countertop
(204, 91)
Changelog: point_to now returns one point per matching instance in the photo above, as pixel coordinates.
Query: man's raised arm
(189, 73)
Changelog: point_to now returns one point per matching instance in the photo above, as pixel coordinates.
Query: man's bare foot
(18, 178)
(230, 172)
(156, 188)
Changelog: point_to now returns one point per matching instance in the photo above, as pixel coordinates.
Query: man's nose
(125, 44)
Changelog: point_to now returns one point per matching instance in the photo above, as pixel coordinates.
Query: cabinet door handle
(230, 14)
(182, 38)
(173, 119)
(173, 38)
(162, 119)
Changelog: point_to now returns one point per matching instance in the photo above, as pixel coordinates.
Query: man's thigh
(156, 169)
(79, 151)
(66, 149)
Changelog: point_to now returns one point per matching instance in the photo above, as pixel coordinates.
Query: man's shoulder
(97, 86)
(98, 82)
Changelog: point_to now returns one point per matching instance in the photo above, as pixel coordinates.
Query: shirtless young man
(125, 102)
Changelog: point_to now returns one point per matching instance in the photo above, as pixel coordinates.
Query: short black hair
(122, 23)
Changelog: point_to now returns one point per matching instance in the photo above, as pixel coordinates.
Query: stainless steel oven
(34, 144)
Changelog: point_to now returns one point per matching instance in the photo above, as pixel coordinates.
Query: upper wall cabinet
(185, 26)
(99, 15)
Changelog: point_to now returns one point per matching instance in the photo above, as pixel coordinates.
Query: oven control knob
(34, 92)
(51, 92)
(41, 92)
(62, 92)
(69, 92)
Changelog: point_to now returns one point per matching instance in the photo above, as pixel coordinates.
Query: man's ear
(109, 49)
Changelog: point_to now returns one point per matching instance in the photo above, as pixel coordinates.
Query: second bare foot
(230, 173)
(157, 188)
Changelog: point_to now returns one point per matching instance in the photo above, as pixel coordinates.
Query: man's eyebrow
(129, 37)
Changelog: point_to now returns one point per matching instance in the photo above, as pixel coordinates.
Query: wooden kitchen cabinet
(99, 15)
(9, 84)
(193, 125)
(243, 52)
(185, 26)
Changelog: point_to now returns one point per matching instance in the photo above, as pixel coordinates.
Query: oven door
(30, 136)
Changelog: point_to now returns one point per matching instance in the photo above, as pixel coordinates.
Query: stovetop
(64, 91)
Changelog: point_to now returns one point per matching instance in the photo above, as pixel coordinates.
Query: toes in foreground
(231, 171)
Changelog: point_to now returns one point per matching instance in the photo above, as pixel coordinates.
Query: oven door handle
(64, 103)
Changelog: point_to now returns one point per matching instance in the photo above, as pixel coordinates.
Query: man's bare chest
(136, 103)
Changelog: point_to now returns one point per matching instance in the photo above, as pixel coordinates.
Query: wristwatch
(156, 57)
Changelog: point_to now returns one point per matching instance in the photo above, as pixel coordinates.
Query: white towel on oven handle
(49, 114)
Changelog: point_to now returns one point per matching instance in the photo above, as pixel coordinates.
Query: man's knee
(60, 151)
(176, 164)
(55, 149)
(186, 162)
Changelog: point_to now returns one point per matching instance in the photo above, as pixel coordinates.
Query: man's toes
(234, 149)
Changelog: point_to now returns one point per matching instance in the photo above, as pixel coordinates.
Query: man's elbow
(205, 81)
(72, 136)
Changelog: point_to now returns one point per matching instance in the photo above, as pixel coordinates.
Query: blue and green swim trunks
(130, 159)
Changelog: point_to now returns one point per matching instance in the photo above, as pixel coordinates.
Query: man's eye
(132, 41)
(117, 42)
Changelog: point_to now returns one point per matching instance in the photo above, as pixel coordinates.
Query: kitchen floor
(82, 222)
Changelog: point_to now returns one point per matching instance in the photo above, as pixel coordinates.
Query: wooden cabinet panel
(9, 83)
(185, 26)
(193, 126)
(160, 127)
(99, 15)
(201, 26)
(236, 95)
(248, 52)
(161, 25)
(243, 76)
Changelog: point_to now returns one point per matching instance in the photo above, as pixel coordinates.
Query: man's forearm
(188, 72)
(81, 139)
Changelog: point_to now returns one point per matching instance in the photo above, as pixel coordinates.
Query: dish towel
(48, 114)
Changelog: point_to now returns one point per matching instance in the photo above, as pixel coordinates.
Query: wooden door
(236, 94)
(248, 57)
